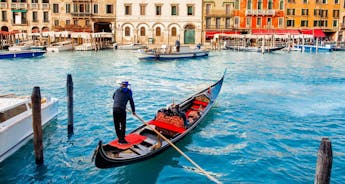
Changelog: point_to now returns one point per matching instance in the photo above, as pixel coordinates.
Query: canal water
(265, 127)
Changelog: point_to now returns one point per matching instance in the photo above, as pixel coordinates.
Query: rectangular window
(4, 16)
(236, 21)
(304, 12)
(87, 22)
(281, 5)
(45, 16)
(336, 1)
(305, 1)
(237, 4)
(190, 10)
(227, 23)
(128, 10)
(75, 8)
(109, 9)
(304, 23)
(269, 22)
(142, 9)
(218, 23)
(95, 8)
(158, 9)
(75, 22)
(68, 22)
(227, 9)
(290, 23)
(208, 22)
(68, 8)
(55, 8)
(32, 1)
(335, 13)
(34, 16)
(208, 9)
(324, 1)
(248, 22)
(258, 22)
(56, 22)
(259, 4)
(270, 4)
(335, 23)
(174, 10)
(249, 4)
(280, 22)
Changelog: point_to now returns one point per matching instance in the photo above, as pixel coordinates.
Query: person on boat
(121, 97)
(177, 112)
(198, 46)
(177, 45)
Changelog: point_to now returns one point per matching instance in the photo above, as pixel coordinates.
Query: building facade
(341, 35)
(259, 14)
(314, 14)
(158, 22)
(217, 17)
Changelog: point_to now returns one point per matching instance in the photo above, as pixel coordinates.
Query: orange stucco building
(258, 14)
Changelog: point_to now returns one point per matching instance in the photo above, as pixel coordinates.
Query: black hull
(253, 49)
(102, 160)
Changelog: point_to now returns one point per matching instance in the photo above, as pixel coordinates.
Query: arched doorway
(102, 27)
(189, 34)
(4, 28)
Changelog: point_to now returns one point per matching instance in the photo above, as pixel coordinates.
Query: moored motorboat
(21, 54)
(154, 56)
(144, 143)
(134, 46)
(60, 46)
(16, 121)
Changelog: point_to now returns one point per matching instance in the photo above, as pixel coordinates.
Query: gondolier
(121, 97)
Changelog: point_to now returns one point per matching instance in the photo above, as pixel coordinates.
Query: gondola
(144, 143)
(254, 49)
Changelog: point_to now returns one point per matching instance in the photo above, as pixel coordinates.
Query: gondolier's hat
(125, 83)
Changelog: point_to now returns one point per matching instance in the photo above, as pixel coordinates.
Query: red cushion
(131, 139)
(197, 102)
(167, 126)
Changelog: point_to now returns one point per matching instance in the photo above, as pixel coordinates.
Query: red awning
(210, 34)
(275, 31)
(315, 32)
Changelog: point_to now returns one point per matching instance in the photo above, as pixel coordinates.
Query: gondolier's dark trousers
(119, 116)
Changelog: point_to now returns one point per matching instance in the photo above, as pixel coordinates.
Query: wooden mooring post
(69, 86)
(324, 162)
(37, 124)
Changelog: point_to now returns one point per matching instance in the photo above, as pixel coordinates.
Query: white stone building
(158, 22)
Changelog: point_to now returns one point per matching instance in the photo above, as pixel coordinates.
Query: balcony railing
(3, 5)
(34, 6)
(260, 12)
(45, 6)
(18, 5)
(81, 14)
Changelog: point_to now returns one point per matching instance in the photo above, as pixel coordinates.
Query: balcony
(261, 12)
(81, 14)
(19, 6)
(34, 6)
(3, 5)
(45, 6)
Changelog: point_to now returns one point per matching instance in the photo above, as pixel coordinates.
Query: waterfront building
(158, 22)
(314, 15)
(258, 14)
(217, 18)
(341, 36)
(57, 15)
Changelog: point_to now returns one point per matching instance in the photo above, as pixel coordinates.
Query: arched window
(127, 31)
(142, 31)
(158, 31)
(173, 31)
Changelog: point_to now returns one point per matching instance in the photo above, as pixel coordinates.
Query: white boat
(20, 47)
(85, 47)
(154, 55)
(134, 46)
(60, 46)
(16, 121)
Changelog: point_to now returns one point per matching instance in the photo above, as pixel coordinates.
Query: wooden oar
(177, 149)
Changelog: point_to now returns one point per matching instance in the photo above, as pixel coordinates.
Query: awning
(210, 34)
(275, 32)
(19, 10)
(315, 32)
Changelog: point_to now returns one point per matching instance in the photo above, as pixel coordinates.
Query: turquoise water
(265, 127)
